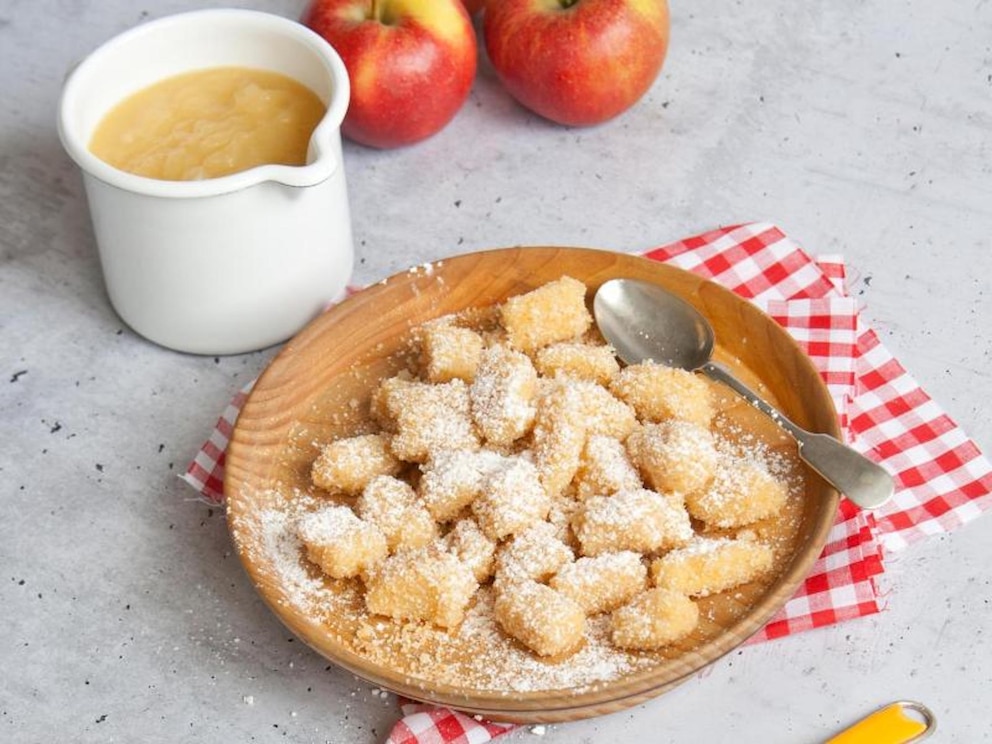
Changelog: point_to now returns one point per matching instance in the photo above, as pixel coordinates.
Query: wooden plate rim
(527, 706)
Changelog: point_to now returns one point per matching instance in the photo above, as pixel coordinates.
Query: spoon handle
(864, 482)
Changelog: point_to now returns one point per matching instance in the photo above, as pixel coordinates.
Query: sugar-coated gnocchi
(560, 516)
(604, 468)
(517, 455)
(453, 478)
(676, 455)
(546, 621)
(512, 499)
(659, 393)
(741, 492)
(559, 436)
(553, 312)
(502, 395)
(340, 543)
(602, 412)
(711, 565)
(641, 520)
(535, 554)
(450, 352)
(602, 583)
(392, 505)
(655, 618)
(347, 465)
(429, 418)
(428, 584)
(470, 544)
(595, 363)
(385, 391)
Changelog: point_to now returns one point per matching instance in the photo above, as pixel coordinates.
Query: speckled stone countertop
(860, 128)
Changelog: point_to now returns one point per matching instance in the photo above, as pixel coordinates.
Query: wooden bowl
(318, 388)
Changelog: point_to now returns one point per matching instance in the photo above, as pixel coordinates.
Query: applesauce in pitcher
(209, 123)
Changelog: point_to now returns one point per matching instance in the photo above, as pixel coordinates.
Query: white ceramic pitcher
(221, 265)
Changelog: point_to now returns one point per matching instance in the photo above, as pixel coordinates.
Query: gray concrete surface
(862, 128)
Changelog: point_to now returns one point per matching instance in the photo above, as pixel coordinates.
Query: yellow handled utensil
(898, 723)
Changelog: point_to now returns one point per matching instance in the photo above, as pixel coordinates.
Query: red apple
(411, 64)
(473, 6)
(577, 62)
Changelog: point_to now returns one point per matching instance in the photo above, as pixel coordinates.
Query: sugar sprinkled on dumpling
(553, 312)
(711, 565)
(347, 465)
(654, 619)
(639, 519)
(428, 584)
(659, 393)
(546, 621)
(502, 395)
(340, 543)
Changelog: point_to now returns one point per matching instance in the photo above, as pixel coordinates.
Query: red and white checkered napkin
(943, 480)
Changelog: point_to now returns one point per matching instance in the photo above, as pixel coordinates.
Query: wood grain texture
(318, 388)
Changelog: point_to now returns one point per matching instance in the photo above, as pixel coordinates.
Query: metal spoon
(645, 322)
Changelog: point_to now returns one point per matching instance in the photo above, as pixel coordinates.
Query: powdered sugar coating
(450, 352)
(604, 582)
(675, 456)
(340, 543)
(559, 435)
(448, 481)
(604, 468)
(536, 554)
(640, 520)
(347, 465)
(512, 499)
(470, 544)
(546, 621)
(502, 395)
(654, 618)
(553, 312)
(426, 583)
(707, 566)
(742, 492)
(430, 418)
(595, 363)
(659, 393)
(453, 479)
(392, 505)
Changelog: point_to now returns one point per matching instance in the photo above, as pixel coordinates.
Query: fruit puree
(209, 123)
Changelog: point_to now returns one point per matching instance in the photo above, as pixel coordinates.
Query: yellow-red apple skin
(410, 69)
(578, 64)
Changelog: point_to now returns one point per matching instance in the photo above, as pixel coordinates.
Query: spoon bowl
(677, 334)
(645, 322)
